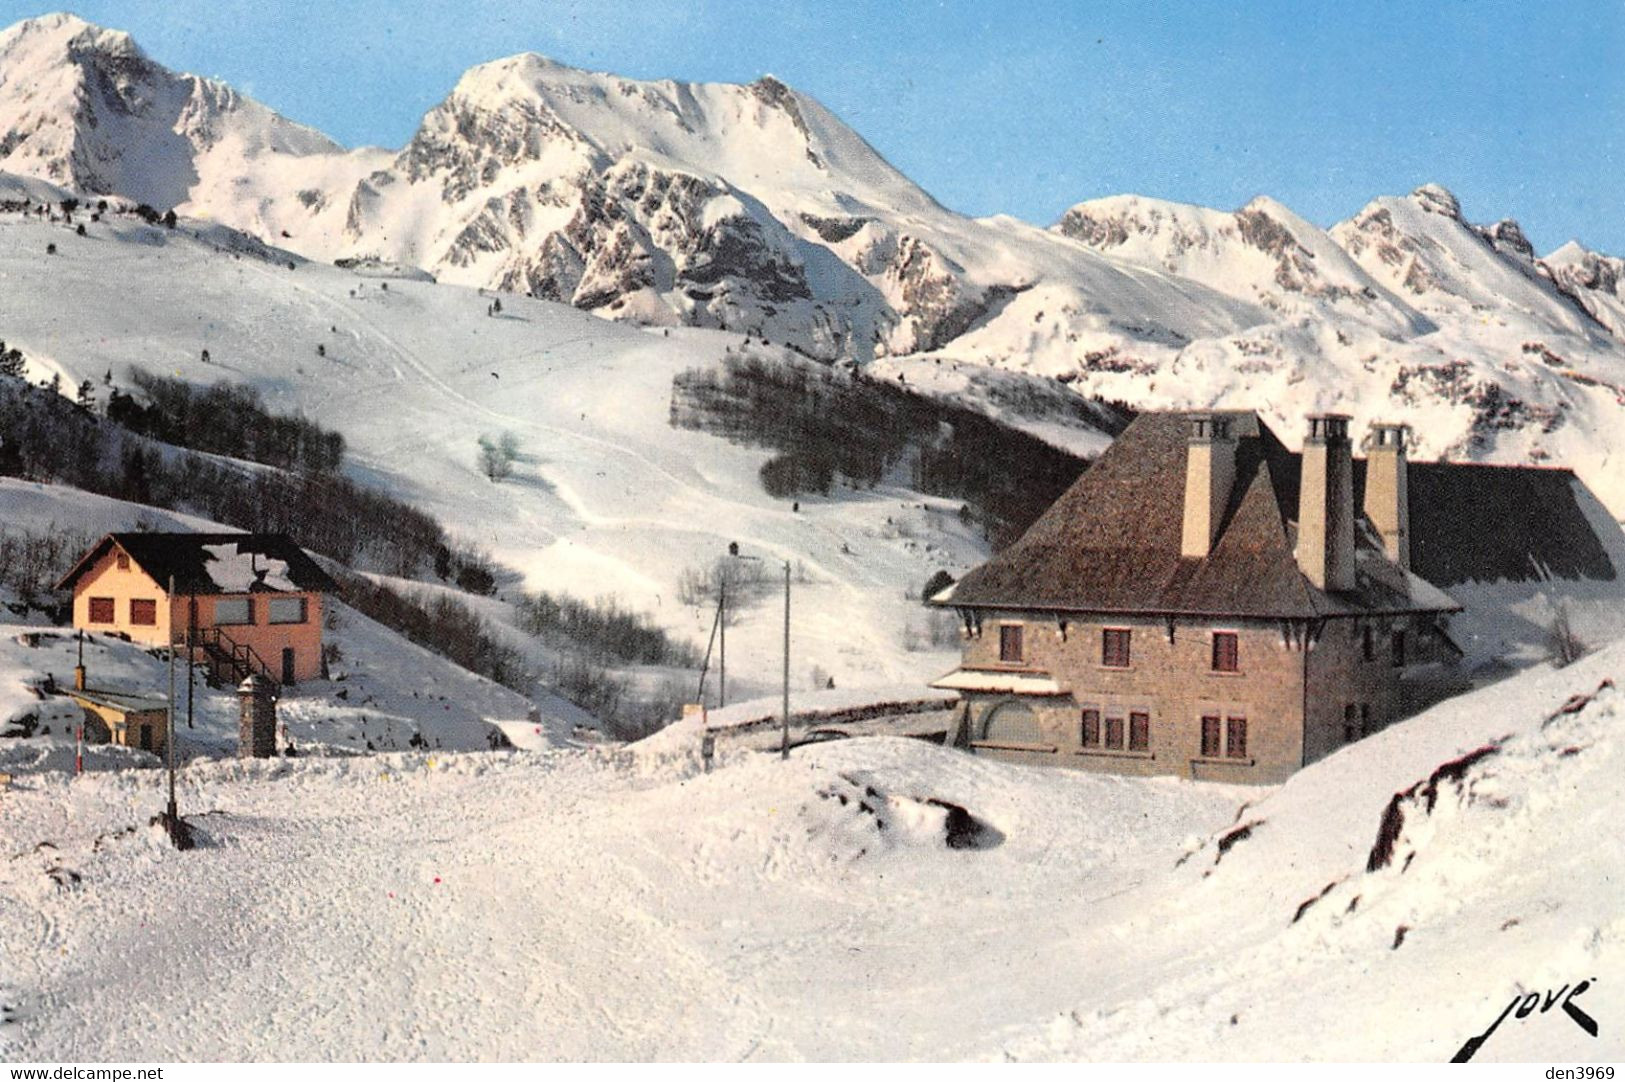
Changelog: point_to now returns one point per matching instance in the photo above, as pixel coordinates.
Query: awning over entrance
(1000, 682)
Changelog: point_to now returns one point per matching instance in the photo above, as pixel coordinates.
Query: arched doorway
(1012, 722)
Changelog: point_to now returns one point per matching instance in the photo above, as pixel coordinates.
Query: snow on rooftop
(236, 572)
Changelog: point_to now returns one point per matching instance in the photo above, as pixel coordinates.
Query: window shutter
(1114, 648)
(1139, 731)
(1236, 743)
(1210, 737)
(1010, 643)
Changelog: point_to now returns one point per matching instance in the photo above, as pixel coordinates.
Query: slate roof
(187, 558)
(1111, 543)
(1473, 523)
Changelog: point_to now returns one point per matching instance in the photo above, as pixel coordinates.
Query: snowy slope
(608, 499)
(1500, 881)
(624, 905)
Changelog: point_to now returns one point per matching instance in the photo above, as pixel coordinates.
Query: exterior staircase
(230, 661)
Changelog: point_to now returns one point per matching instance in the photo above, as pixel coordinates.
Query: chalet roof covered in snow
(1111, 543)
(213, 563)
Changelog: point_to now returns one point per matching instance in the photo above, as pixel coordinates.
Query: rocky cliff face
(1595, 281)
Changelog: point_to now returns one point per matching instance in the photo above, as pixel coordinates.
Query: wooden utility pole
(784, 738)
(722, 643)
(169, 738)
(191, 658)
(172, 813)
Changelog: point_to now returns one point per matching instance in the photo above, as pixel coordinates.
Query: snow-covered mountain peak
(61, 33)
(1594, 280)
(1422, 248)
(1508, 236)
(84, 107)
(1437, 199)
(764, 137)
(1263, 253)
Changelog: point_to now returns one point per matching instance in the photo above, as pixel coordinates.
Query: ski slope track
(607, 498)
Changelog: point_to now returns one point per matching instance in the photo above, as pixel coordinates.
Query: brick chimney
(1210, 471)
(1326, 504)
(1387, 490)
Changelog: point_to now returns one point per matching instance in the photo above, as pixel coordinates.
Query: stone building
(250, 603)
(1204, 602)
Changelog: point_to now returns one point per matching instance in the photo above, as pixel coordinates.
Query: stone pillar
(256, 733)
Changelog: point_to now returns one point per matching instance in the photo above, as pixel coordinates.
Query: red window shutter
(1139, 731)
(1210, 737)
(144, 613)
(1010, 644)
(101, 610)
(1236, 744)
(1091, 728)
(1114, 733)
(1226, 653)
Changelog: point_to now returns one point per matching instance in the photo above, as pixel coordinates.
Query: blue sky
(1026, 108)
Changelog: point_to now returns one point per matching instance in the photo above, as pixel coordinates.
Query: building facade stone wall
(1171, 679)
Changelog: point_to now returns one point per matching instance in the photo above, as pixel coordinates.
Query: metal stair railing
(240, 658)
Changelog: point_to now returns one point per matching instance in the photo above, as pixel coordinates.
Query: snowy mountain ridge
(753, 208)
